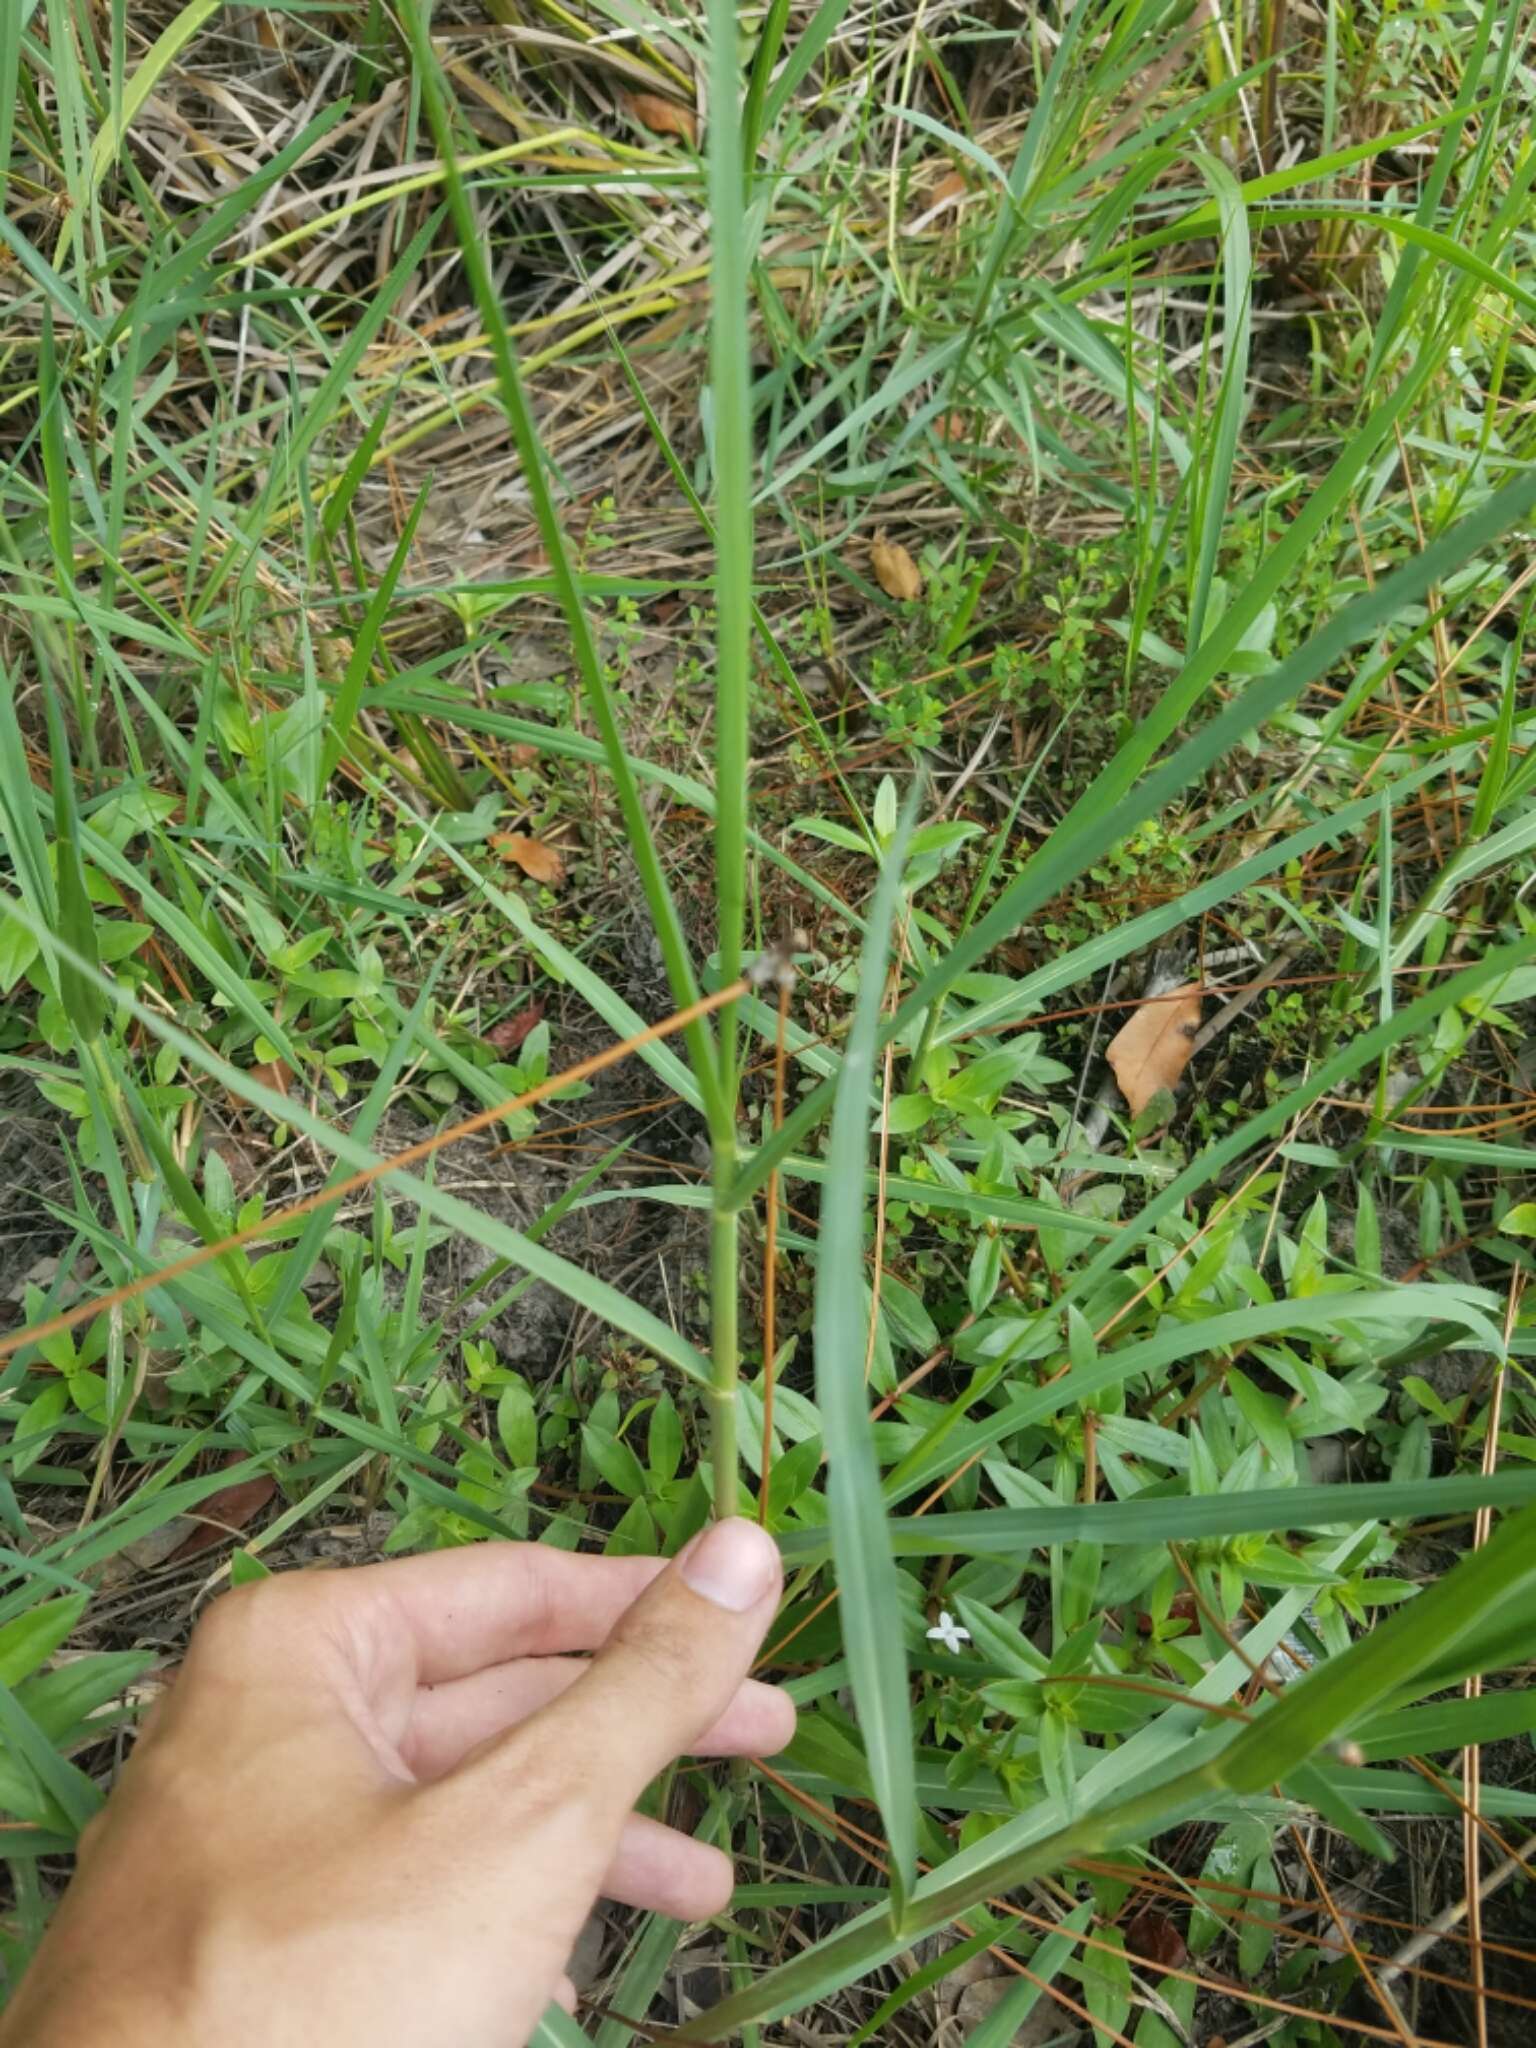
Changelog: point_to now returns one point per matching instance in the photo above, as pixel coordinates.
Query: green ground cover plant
(549, 991)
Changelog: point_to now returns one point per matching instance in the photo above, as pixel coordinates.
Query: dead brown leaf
(540, 862)
(663, 116)
(145, 1555)
(273, 1074)
(1152, 1048)
(509, 1034)
(227, 1510)
(1153, 1936)
(895, 571)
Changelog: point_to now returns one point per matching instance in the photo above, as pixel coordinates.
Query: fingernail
(735, 1564)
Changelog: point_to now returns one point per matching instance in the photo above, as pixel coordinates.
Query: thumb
(673, 1662)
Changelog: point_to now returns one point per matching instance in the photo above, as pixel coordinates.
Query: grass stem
(725, 1346)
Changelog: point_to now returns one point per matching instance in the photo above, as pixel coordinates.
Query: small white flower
(948, 1632)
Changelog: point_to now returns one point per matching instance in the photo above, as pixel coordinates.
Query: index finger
(462, 1610)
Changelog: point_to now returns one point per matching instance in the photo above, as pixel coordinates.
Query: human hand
(377, 1805)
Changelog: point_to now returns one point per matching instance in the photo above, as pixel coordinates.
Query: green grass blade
(157, 60)
(731, 392)
(868, 1583)
(1003, 2023)
(769, 42)
(339, 499)
(1448, 1724)
(320, 410)
(651, 1951)
(1494, 782)
(71, 1791)
(1400, 291)
(1178, 1517)
(669, 929)
(349, 695)
(20, 813)
(557, 2029)
(56, 290)
(1214, 482)
(1015, 217)
(80, 991)
(10, 73)
(813, 39)
(924, 1978)
(1431, 240)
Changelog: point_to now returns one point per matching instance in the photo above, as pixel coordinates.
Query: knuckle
(554, 1790)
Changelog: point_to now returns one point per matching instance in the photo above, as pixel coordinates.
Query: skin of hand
(377, 1805)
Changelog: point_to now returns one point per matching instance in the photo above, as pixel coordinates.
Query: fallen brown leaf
(1152, 1935)
(1152, 1048)
(153, 1549)
(663, 116)
(895, 571)
(542, 863)
(273, 1074)
(227, 1510)
(509, 1034)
